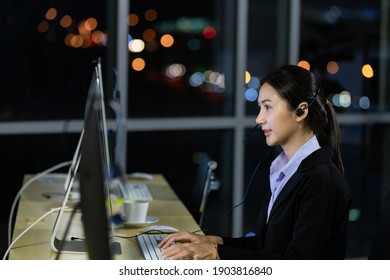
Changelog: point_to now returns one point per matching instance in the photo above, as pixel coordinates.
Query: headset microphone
(250, 135)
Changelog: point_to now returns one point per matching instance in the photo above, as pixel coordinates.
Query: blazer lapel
(288, 188)
(262, 219)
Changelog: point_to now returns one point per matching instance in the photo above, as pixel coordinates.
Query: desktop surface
(42, 196)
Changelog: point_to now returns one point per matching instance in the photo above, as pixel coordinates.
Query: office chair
(205, 182)
(380, 249)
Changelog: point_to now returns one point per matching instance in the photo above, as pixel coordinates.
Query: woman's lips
(267, 132)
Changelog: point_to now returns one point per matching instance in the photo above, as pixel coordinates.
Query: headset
(299, 112)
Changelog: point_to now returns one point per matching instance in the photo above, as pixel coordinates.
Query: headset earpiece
(299, 112)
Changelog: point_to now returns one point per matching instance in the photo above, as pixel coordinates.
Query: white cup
(135, 210)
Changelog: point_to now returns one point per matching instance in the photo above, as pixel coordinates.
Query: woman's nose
(260, 119)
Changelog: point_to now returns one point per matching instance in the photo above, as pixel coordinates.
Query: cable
(22, 189)
(246, 140)
(28, 228)
(152, 231)
(245, 196)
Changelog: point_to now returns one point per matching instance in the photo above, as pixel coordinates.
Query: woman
(305, 213)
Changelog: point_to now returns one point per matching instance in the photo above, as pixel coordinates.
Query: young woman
(305, 213)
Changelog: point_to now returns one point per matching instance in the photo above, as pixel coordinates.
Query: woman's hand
(185, 245)
(187, 237)
(190, 251)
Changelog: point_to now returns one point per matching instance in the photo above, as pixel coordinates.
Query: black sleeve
(243, 248)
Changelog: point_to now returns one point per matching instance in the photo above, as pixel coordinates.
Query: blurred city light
(367, 71)
(304, 64)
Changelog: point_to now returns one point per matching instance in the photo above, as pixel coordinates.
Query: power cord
(23, 188)
(28, 228)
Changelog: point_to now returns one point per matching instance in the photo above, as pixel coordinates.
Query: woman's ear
(301, 112)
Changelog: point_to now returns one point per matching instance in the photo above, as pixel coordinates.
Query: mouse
(160, 228)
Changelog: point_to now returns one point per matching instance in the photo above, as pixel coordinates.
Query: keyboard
(138, 191)
(148, 245)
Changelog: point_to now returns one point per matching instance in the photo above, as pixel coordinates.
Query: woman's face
(277, 121)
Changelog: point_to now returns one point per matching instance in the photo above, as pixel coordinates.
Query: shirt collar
(281, 164)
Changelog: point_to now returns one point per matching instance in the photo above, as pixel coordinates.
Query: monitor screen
(93, 192)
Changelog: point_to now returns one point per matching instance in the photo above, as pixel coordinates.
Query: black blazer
(308, 220)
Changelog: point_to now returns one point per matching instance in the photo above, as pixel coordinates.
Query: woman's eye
(266, 107)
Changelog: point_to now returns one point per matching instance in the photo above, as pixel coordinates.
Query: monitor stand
(79, 246)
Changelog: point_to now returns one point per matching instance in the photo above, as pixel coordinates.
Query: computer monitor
(94, 103)
(93, 191)
(95, 176)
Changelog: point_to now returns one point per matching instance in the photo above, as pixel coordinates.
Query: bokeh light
(254, 82)
(332, 67)
(149, 34)
(251, 94)
(354, 215)
(175, 70)
(194, 44)
(90, 24)
(367, 71)
(167, 40)
(185, 24)
(345, 99)
(83, 31)
(247, 77)
(150, 15)
(304, 64)
(196, 79)
(76, 41)
(335, 11)
(43, 26)
(342, 99)
(336, 100)
(138, 64)
(364, 102)
(132, 19)
(99, 38)
(51, 14)
(216, 78)
(209, 32)
(66, 21)
(136, 45)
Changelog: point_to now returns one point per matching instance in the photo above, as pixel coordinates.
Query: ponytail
(333, 132)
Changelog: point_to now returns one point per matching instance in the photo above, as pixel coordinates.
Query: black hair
(295, 84)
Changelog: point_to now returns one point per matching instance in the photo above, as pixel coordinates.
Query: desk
(41, 195)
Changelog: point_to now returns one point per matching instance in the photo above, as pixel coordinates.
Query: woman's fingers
(189, 251)
(176, 237)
